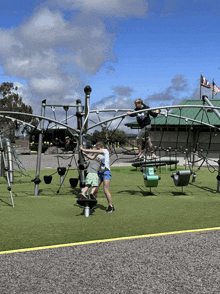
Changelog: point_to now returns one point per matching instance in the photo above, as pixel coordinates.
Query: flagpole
(200, 85)
(213, 88)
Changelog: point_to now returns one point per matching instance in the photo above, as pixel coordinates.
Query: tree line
(12, 101)
(114, 136)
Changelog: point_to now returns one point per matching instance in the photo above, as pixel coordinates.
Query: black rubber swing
(47, 179)
(73, 182)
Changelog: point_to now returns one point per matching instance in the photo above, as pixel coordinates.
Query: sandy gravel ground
(180, 264)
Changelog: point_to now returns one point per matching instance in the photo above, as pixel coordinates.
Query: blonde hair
(138, 100)
(101, 144)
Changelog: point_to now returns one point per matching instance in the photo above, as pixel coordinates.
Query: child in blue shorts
(104, 176)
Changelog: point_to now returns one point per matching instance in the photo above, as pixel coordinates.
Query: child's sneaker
(92, 196)
(82, 196)
(110, 209)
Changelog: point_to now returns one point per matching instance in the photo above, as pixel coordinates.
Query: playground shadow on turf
(149, 193)
(98, 206)
(133, 192)
(146, 193)
(179, 193)
(6, 203)
(204, 188)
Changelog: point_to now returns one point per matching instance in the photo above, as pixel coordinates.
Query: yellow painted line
(108, 240)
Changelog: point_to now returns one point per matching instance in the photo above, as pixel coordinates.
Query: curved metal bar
(169, 114)
(154, 108)
(193, 120)
(20, 121)
(110, 110)
(120, 116)
(72, 115)
(39, 117)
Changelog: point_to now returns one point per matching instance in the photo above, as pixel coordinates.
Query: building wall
(186, 140)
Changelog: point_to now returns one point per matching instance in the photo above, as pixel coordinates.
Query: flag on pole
(205, 83)
(215, 89)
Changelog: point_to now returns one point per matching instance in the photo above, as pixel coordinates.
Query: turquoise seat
(150, 179)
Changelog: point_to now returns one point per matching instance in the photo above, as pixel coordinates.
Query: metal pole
(170, 156)
(79, 111)
(200, 81)
(218, 176)
(194, 177)
(87, 91)
(213, 88)
(205, 99)
(2, 166)
(7, 176)
(175, 159)
(66, 108)
(39, 151)
(61, 180)
(10, 161)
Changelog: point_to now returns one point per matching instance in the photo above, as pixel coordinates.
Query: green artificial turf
(51, 219)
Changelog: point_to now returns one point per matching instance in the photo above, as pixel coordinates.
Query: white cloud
(23, 92)
(7, 41)
(47, 29)
(47, 85)
(26, 64)
(56, 55)
(32, 49)
(107, 8)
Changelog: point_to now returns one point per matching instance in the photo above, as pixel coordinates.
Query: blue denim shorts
(104, 176)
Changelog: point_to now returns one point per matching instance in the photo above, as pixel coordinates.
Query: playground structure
(9, 163)
(83, 115)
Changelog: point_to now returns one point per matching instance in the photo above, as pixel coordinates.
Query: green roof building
(169, 132)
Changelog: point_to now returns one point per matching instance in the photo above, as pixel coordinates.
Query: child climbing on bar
(92, 178)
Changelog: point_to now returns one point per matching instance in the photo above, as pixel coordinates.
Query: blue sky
(123, 49)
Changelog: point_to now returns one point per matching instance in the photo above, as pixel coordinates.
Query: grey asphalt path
(51, 160)
(181, 263)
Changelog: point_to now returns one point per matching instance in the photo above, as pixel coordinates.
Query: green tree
(11, 101)
(111, 137)
(97, 136)
(5, 89)
(118, 136)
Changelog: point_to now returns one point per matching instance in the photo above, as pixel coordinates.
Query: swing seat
(73, 182)
(47, 179)
(61, 171)
(150, 179)
(181, 178)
